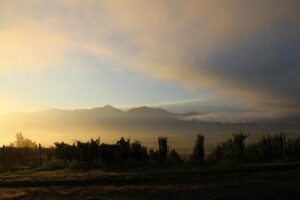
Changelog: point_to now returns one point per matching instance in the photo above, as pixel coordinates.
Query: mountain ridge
(109, 109)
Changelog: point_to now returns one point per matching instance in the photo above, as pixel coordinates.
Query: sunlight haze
(225, 61)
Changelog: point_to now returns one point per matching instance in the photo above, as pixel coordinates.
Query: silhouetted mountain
(141, 123)
(145, 112)
(108, 109)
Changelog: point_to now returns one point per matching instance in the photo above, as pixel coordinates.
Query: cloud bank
(244, 51)
(236, 117)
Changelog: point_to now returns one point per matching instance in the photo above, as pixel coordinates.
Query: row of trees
(93, 153)
(268, 148)
(123, 152)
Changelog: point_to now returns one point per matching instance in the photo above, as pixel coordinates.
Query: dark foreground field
(268, 181)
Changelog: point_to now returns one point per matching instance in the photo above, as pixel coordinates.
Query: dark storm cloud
(267, 64)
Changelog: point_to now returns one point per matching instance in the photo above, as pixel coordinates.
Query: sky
(242, 55)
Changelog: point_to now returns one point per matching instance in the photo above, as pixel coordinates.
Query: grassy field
(244, 181)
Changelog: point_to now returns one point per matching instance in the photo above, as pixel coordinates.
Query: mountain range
(141, 123)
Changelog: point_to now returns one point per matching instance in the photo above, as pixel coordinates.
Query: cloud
(247, 52)
(236, 117)
(23, 48)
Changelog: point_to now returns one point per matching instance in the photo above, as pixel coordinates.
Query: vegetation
(233, 149)
(124, 153)
(22, 142)
(198, 151)
(129, 170)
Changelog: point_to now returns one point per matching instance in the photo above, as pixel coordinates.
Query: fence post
(3, 156)
(284, 147)
(40, 155)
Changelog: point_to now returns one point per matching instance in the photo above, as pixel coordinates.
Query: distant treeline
(124, 153)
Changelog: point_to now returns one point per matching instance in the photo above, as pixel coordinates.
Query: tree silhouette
(163, 148)
(239, 145)
(174, 157)
(24, 152)
(88, 152)
(108, 153)
(22, 142)
(233, 149)
(198, 151)
(138, 152)
(293, 148)
(123, 150)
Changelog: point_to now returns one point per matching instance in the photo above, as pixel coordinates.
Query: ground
(243, 181)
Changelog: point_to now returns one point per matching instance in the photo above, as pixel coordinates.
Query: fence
(11, 157)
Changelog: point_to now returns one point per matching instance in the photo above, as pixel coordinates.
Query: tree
(198, 151)
(88, 152)
(153, 155)
(22, 142)
(65, 152)
(174, 157)
(239, 145)
(163, 149)
(108, 153)
(273, 147)
(123, 150)
(233, 149)
(138, 152)
(293, 148)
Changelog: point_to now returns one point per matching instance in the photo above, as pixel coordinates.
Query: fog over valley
(139, 123)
